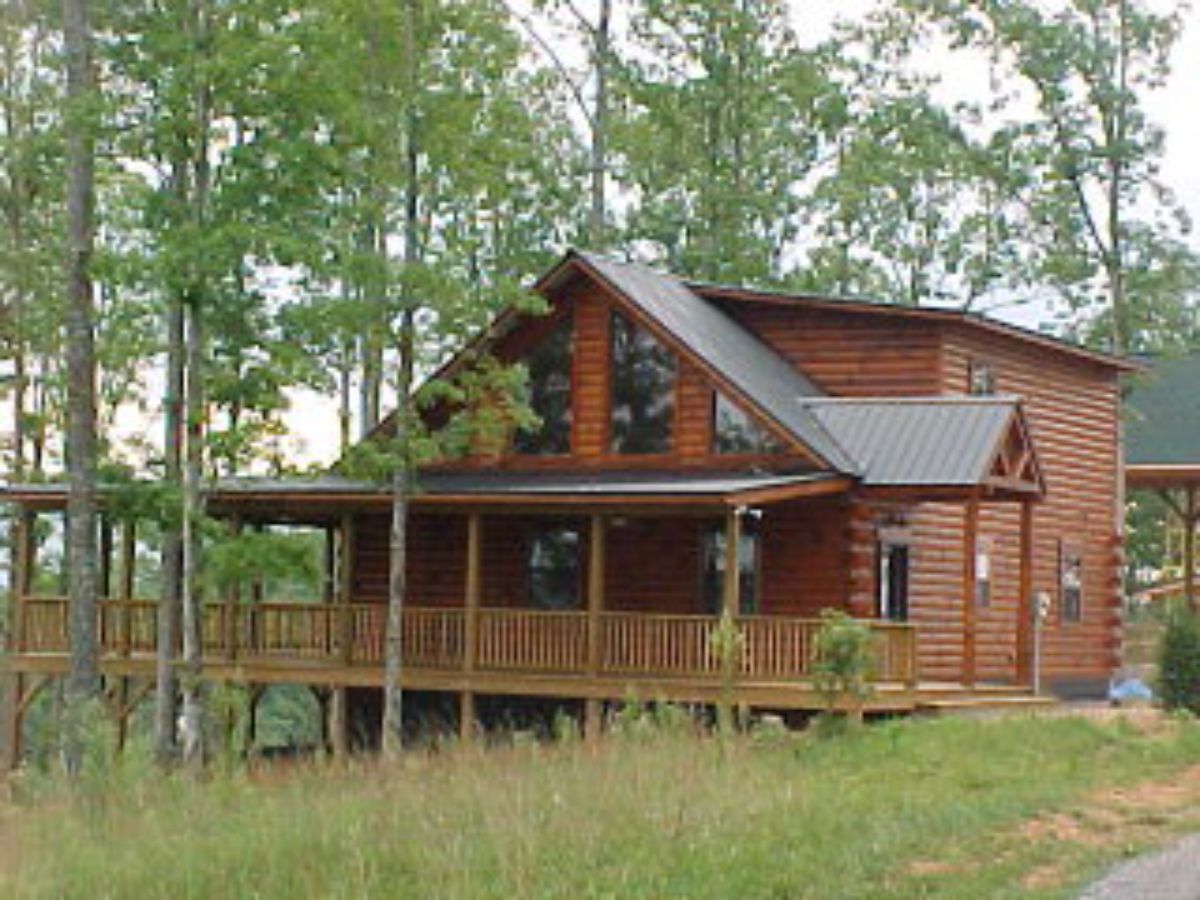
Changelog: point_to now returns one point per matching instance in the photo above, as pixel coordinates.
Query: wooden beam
(345, 588)
(970, 540)
(731, 596)
(597, 563)
(472, 601)
(233, 602)
(1025, 598)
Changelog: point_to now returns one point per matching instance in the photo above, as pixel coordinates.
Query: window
(891, 590)
(713, 561)
(549, 396)
(554, 568)
(981, 379)
(643, 390)
(1070, 582)
(983, 572)
(734, 431)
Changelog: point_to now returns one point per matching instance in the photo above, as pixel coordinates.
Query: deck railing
(773, 648)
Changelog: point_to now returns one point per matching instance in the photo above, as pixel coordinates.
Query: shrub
(1179, 661)
(844, 662)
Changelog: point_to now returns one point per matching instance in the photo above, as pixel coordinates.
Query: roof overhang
(326, 499)
(1162, 476)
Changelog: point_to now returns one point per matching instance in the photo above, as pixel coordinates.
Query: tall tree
(1105, 233)
(82, 580)
(720, 131)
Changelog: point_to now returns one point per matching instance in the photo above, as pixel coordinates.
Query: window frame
(985, 571)
(770, 444)
(564, 324)
(672, 417)
(541, 531)
(1070, 563)
(977, 367)
(712, 547)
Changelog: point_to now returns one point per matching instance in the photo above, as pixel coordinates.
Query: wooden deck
(611, 655)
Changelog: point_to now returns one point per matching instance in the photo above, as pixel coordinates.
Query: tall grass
(659, 815)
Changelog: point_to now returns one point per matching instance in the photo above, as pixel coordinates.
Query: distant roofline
(868, 306)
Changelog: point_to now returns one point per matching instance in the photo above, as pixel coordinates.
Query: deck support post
(471, 604)
(233, 598)
(597, 562)
(1025, 611)
(970, 542)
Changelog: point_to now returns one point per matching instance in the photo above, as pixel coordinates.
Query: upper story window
(549, 396)
(643, 390)
(981, 378)
(554, 569)
(735, 431)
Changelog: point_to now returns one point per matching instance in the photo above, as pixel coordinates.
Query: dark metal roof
(920, 441)
(764, 377)
(1162, 424)
(487, 484)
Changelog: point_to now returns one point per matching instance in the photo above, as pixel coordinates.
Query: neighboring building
(926, 470)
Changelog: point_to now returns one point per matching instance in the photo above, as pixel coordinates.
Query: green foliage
(844, 660)
(1179, 661)
(668, 816)
(727, 644)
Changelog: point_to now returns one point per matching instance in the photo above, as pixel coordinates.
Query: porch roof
(304, 498)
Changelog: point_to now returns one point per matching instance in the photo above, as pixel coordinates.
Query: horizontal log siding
(1072, 407)
(849, 354)
(804, 557)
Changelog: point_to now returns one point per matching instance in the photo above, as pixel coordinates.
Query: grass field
(948, 808)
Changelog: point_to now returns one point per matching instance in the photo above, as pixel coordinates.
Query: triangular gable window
(736, 431)
(549, 396)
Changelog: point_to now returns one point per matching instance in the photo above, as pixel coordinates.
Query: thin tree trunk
(170, 600)
(599, 149)
(84, 682)
(393, 704)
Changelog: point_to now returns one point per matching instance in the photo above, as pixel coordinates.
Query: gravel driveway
(1171, 874)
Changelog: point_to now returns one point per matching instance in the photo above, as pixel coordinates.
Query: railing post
(22, 577)
(911, 644)
(345, 588)
(471, 603)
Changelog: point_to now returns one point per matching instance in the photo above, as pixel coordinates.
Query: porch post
(339, 718)
(731, 596)
(1025, 599)
(13, 684)
(471, 602)
(595, 600)
(232, 601)
(970, 534)
(128, 561)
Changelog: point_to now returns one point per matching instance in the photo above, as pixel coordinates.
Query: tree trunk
(393, 704)
(193, 700)
(170, 600)
(84, 682)
(599, 149)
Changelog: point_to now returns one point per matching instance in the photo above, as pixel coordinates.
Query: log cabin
(700, 449)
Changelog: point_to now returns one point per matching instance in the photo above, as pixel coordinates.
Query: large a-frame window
(643, 390)
(549, 396)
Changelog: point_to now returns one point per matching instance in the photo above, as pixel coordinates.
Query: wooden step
(985, 703)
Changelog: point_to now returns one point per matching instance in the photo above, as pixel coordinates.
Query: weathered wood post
(970, 536)
(233, 603)
(128, 563)
(1189, 547)
(471, 604)
(20, 574)
(597, 557)
(1025, 610)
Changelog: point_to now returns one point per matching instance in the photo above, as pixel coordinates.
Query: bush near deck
(658, 815)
